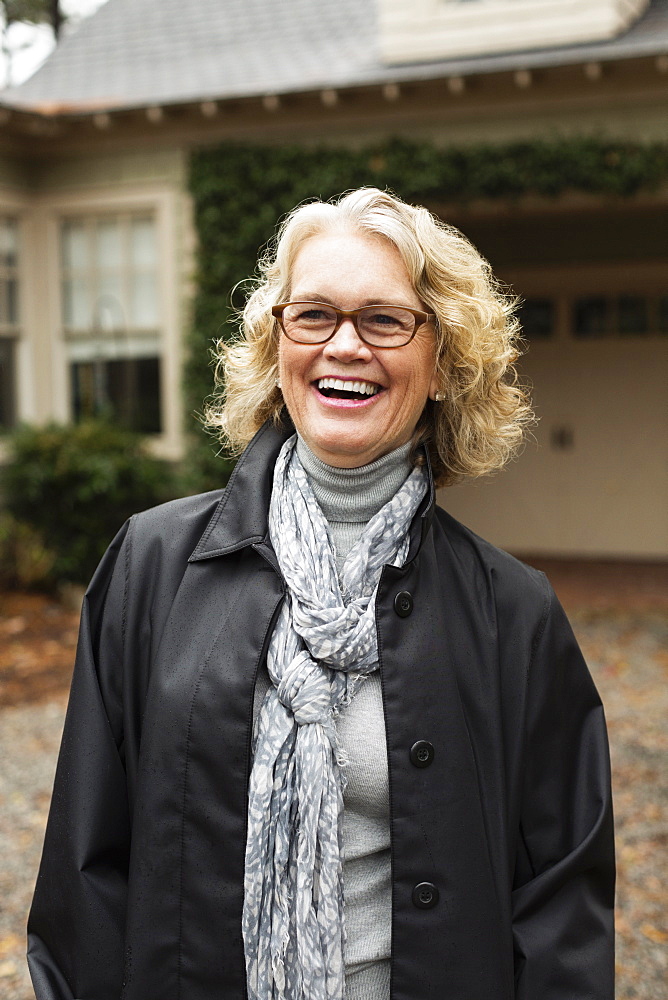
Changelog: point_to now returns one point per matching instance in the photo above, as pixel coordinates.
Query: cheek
(286, 364)
(422, 377)
(293, 372)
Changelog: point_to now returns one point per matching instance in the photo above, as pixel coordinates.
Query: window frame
(11, 333)
(168, 205)
(565, 285)
(113, 337)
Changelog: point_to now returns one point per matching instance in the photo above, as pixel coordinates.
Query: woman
(322, 740)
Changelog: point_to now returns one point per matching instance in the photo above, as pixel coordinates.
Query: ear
(433, 386)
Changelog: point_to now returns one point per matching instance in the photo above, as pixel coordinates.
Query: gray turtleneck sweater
(349, 498)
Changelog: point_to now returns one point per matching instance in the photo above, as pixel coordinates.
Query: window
(9, 319)
(662, 319)
(590, 315)
(626, 315)
(537, 317)
(7, 410)
(111, 318)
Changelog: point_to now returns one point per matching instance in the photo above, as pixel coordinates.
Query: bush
(69, 489)
(25, 561)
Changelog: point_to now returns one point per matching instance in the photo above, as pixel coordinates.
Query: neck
(355, 495)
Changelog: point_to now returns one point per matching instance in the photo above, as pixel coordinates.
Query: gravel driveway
(626, 651)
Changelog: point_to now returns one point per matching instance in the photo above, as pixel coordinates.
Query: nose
(347, 345)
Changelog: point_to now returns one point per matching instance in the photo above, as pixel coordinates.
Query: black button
(425, 895)
(403, 604)
(422, 753)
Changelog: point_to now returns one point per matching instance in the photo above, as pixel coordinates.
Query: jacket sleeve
(76, 923)
(564, 879)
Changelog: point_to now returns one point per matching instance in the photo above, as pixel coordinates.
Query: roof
(134, 53)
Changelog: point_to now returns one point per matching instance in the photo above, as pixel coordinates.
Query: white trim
(445, 29)
(17, 204)
(114, 348)
(158, 199)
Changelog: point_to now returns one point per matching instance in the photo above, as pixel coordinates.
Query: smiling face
(351, 270)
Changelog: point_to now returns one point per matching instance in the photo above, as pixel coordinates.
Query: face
(349, 271)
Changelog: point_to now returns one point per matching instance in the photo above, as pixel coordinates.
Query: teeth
(368, 388)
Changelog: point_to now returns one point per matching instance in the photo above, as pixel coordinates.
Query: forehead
(351, 268)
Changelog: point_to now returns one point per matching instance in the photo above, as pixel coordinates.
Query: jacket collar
(240, 518)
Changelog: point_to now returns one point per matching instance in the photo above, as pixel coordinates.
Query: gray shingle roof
(141, 52)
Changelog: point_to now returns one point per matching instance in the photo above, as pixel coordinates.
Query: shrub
(69, 489)
(25, 561)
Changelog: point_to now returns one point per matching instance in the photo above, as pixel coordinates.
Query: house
(97, 236)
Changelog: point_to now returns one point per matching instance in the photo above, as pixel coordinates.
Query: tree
(25, 12)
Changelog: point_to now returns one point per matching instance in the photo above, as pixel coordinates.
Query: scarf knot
(304, 689)
(323, 645)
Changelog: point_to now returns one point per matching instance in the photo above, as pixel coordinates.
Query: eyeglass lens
(314, 322)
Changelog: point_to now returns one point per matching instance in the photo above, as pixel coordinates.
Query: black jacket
(139, 893)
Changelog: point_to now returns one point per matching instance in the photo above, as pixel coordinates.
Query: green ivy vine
(240, 191)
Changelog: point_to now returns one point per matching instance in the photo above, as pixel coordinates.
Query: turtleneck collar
(355, 495)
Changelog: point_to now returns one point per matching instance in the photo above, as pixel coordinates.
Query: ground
(620, 616)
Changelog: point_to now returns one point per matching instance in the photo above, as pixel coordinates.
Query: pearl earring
(278, 383)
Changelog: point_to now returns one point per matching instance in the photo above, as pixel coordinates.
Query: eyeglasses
(378, 326)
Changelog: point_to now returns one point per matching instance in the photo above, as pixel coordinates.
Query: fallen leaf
(653, 933)
(9, 942)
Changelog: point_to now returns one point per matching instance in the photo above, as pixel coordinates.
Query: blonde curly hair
(480, 422)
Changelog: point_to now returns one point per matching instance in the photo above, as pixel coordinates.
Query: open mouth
(336, 388)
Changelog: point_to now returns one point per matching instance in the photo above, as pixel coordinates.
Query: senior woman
(323, 741)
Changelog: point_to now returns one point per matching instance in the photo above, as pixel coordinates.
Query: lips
(336, 388)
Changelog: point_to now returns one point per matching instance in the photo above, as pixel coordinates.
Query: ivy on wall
(240, 191)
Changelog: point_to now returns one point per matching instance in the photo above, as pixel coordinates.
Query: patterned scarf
(323, 645)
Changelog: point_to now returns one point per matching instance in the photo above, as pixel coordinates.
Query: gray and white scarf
(323, 646)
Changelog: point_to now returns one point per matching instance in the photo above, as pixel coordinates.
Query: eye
(311, 313)
(381, 319)
(386, 319)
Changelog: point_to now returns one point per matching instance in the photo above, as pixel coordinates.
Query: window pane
(109, 312)
(143, 304)
(591, 317)
(87, 401)
(8, 242)
(537, 318)
(7, 415)
(108, 247)
(663, 314)
(110, 294)
(632, 314)
(142, 239)
(11, 301)
(126, 391)
(76, 304)
(74, 246)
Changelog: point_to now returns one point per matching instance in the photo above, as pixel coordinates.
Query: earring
(439, 397)
(278, 383)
